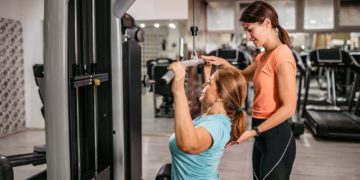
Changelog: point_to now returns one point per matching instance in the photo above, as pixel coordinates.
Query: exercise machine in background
(330, 121)
(38, 157)
(156, 69)
(356, 84)
(296, 122)
(239, 58)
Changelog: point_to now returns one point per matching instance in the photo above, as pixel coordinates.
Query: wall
(159, 9)
(153, 43)
(31, 15)
(12, 103)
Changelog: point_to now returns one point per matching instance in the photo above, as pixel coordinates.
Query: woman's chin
(257, 44)
(201, 98)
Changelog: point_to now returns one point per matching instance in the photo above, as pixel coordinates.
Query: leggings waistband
(257, 122)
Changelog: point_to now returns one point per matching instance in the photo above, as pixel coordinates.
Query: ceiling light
(142, 25)
(313, 21)
(172, 25)
(156, 25)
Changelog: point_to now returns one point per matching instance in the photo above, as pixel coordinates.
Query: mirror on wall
(349, 13)
(286, 12)
(319, 14)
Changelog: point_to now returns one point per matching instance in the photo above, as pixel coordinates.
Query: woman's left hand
(244, 136)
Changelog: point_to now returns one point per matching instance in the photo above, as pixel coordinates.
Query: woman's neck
(215, 108)
(272, 43)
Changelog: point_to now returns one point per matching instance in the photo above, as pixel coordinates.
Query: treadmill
(319, 74)
(356, 68)
(330, 121)
(296, 122)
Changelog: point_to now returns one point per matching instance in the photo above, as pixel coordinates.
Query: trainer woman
(197, 145)
(273, 76)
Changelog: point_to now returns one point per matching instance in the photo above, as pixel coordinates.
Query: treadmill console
(329, 56)
(228, 54)
(356, 56)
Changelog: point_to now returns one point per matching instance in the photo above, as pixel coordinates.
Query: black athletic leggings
(273, 152)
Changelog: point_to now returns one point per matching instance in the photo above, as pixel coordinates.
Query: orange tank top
(266, 99)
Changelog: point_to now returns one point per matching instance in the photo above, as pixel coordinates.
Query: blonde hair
(231, 86)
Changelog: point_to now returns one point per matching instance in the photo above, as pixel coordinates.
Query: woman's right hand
(244, 136)
(216, 61)
(179, 70)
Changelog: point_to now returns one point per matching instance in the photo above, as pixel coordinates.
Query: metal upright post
(353, 91)
(56, 85)
(333, 86)
(96, 83)
(77, 89)
(328, 82)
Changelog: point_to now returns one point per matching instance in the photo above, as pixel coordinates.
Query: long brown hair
(231, 86)
(258, 11)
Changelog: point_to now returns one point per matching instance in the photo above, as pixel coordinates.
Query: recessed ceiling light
(172, 25)
(313, 21)
(156, 25)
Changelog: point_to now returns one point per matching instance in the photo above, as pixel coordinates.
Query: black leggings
(273, 152)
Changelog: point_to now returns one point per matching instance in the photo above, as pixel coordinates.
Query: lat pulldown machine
(94, 128)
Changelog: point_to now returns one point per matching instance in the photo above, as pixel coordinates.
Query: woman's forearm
(185, 132)
(249, 72)
(248, 76)
(206, 77)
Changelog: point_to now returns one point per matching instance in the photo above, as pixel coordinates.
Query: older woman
(197, 145)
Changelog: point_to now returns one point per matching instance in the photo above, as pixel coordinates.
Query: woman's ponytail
(238, 125)
(232, 88)
(284, 36)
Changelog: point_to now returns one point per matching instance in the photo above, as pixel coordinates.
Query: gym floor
(315, 159)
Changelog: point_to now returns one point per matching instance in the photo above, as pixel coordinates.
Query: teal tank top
(204, 165)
